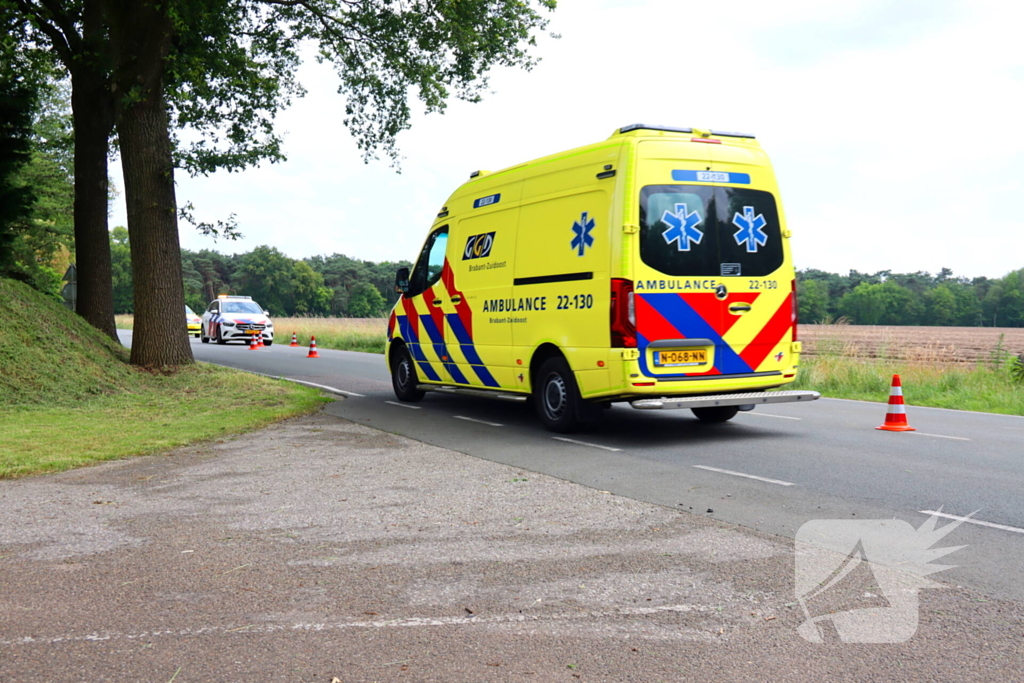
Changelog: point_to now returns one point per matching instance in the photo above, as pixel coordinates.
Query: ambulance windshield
(703, 230)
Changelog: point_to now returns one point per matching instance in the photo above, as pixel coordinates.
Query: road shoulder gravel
(320, 548)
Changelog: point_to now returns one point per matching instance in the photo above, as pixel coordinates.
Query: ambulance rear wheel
(403, 377)
(715, 414)
(556, 397)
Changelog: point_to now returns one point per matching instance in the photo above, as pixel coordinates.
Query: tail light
(623, 314)
(793, 314)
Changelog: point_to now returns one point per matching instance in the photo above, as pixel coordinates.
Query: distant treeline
(887, 298)
(341, 286)
(319, 286)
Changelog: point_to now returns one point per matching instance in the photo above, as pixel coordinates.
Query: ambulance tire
(715, 414)
(403, 377)
(556, 398)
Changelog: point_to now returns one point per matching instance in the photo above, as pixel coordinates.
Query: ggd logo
(478, 246)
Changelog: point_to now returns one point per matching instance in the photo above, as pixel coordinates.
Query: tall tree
(141, 35)
(74, 33)
(225, 67)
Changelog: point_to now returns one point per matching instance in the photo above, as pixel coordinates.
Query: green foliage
(813, 301)
(121, 271)
(887, 298)
(365, 301)
(36, 186)
(17, 101)
(384, 51)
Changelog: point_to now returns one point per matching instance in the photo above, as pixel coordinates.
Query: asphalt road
(772, 469)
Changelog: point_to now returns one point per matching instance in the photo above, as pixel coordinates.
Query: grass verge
(345, 334)
(960, 387)
(69, 398)
(159, 413)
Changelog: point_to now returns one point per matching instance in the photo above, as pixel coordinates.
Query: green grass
(946, 385)
(160, 413)
(68, 396)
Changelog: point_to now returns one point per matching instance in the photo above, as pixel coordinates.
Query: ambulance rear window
(703, 230)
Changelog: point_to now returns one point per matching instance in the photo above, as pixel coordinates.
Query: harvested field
(965, 345)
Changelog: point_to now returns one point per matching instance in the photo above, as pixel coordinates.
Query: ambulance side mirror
(402, 280)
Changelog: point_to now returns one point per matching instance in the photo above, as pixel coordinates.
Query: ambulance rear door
(708, 281)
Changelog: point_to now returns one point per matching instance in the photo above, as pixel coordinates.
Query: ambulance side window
(430, 263)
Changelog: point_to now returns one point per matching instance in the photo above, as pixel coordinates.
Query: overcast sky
(893, 126)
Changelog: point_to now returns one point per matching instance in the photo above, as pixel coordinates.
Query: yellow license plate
(677, 358)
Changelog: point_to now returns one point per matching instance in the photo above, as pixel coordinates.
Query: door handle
(456, 299)
(437, 302)
(739, 308)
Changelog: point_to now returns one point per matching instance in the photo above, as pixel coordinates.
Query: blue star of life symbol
(750, 229)
(583, 238)
(682, 227)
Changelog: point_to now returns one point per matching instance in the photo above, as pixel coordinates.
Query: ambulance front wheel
(403, 377)
(715, 414)
(556, 397)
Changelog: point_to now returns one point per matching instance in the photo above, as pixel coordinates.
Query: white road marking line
(308, 384)
(942, 436)
(325, 387)
(748, 476)
(407, 622)
(483, 422)
(584, 443)
(404, 405)
(969, 520)
(781, 417)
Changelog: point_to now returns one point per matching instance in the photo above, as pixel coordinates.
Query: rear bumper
(744, 399)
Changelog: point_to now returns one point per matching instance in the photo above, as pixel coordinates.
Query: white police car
(235, 318)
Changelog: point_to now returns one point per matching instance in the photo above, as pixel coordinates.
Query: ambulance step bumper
(751, 399)
(462, 391)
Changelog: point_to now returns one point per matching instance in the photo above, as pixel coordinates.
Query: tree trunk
(159, 336)
(93, 115)
(141, 34)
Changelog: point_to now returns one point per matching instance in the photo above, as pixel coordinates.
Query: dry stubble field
(964, 345)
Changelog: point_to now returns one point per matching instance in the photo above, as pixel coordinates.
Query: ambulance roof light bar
(671, 129)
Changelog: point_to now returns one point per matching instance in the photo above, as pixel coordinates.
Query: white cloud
(891, 124)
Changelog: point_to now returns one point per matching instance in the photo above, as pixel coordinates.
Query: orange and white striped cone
(295, 340)
(896, 417)
(259, 340)
(252, 343)
(312, 348)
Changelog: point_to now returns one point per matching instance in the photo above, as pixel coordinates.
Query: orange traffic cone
(252, 343)
(312, 348)
(295, 340)
(259, 340)
(896, 418)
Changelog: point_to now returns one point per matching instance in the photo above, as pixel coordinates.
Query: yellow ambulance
(653, 267)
